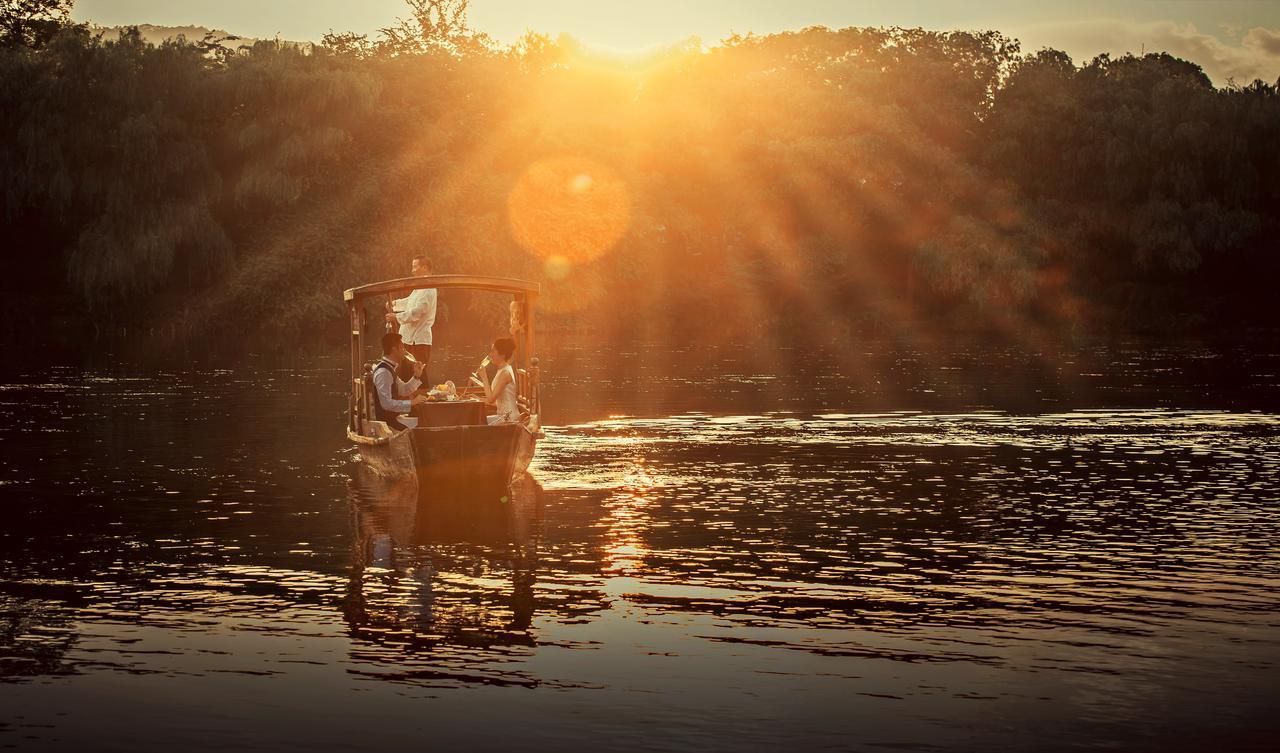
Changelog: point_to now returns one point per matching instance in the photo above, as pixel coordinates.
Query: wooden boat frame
(474, 453)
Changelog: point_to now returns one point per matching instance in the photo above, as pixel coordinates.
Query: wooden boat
(451, 445)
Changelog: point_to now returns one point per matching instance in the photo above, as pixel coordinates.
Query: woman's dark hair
(389, 341)
(506, 346)
(423, 261)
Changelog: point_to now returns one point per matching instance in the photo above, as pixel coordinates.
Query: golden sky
(1231, 38)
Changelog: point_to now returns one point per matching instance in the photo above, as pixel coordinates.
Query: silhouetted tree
(783, 186)
(32, 23)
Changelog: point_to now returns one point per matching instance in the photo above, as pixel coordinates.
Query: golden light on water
(628, 517)
(568, 211)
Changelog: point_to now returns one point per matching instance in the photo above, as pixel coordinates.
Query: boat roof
(471, 282)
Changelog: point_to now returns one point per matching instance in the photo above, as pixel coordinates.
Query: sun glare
(639, 62)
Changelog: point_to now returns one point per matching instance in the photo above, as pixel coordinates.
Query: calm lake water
(970, 550)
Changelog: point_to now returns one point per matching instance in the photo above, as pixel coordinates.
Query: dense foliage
(811, 183)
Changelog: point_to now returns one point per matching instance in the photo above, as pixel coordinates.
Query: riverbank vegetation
(812, 184)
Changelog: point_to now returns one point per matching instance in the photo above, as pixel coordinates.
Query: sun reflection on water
(626, 520)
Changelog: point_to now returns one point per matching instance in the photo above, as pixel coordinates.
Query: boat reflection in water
(444, 576)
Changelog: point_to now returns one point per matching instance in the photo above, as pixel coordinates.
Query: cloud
(1265, 40)
(1255, 55)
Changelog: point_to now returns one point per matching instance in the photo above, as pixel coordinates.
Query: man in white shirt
(415, 314)
(394, 396)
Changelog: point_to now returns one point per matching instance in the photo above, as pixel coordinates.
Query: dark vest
(382, 414)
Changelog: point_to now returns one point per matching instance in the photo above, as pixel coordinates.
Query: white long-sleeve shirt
(416, 314)
(386, 382)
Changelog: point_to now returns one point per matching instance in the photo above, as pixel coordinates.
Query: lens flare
(568, 210)
(556, 267)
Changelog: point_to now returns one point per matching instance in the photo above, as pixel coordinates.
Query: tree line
(815, 184)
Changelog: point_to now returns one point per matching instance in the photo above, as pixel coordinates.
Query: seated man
(394, 395)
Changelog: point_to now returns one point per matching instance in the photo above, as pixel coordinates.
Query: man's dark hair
(389, 341)
(423, 261)
(506, 346)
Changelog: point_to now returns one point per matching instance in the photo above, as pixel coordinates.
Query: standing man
(415, 315)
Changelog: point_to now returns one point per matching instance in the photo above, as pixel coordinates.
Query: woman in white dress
(501, 392)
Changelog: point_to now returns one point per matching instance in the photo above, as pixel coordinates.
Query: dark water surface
(976, 551)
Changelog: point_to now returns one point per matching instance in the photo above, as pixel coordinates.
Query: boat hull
(388, 456)
(451, 456)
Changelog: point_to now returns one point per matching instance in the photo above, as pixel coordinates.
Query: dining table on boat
(465, 412)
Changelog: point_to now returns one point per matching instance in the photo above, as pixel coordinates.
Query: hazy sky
(1230, 38)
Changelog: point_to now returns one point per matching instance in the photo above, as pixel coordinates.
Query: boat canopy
(472, 282)
(522, 327)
